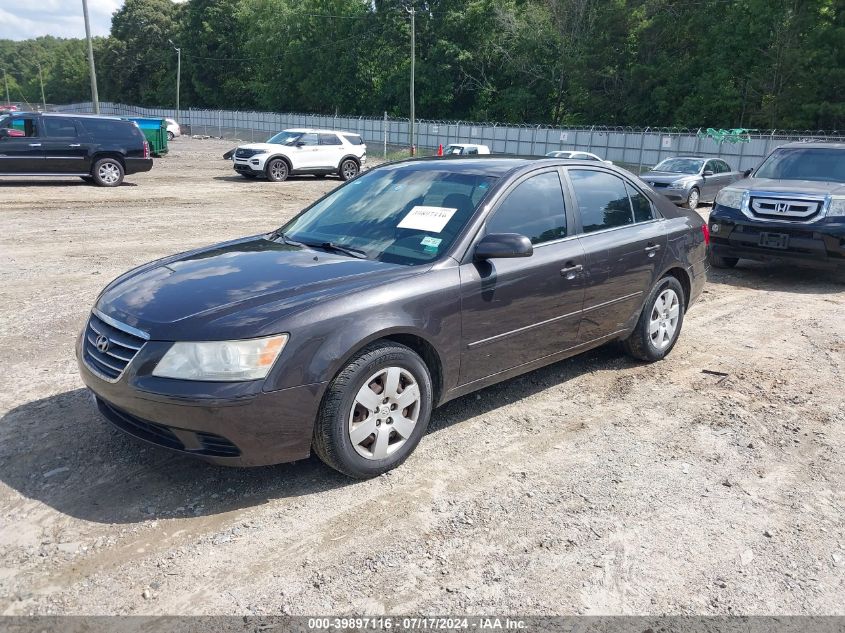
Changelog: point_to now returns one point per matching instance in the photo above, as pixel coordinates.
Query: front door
(65, 147)
(305, 153)
(624, 241)
(22, 154)
(518, 310)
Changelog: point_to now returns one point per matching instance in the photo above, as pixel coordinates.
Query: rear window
(354, 139)
(112, 130)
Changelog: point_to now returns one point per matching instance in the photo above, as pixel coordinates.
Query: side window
(308, 139)
(60, 127)
(471, 151)
(353, 139)
(723, 166)
(643, 211)
(329, 139)
(602, 200)
(534, 208)
(711, 165)
(27, 125)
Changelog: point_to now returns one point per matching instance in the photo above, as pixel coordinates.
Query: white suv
(302, 151)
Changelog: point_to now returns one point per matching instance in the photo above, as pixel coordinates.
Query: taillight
(146, 149)
(706, 230)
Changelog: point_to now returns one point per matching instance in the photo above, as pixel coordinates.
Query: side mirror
(747, 173)
(300, 143)
(503, 246)
(707, 173)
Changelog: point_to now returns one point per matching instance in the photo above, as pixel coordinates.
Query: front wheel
(170, 136)
(693, 199)
(660, 323)
(277, 170)
(375, 412)
(348, 169)
(107, 172)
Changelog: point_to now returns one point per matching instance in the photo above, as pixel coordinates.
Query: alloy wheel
(663, 323)
(109, 173)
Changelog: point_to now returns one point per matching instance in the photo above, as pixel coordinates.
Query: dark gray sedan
(691, 180)
(413, 284)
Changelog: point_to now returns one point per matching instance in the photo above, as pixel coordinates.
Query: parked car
(98, 149)
(792, 208)
(173, 129)
(413, 284)
(302, 151)
(465, 149)
(690, 180)
(577, 156)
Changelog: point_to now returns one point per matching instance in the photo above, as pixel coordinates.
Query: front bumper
(248, 166)
(814, 245)
(233, 424)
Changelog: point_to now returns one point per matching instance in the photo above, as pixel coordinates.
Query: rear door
(624, 240)
(515, 311)
(66, 146)
(22, 154)
(331, 151)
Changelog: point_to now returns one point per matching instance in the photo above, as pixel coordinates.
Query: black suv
(98, 149)
(792, 209)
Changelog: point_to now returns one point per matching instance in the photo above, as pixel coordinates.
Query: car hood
(238, 289)
(666, 177)
(264, 147)
(810, 187)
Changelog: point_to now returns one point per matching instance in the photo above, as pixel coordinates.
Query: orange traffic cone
(440, 150)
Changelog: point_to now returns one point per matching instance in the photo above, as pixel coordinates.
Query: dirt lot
(596, 485)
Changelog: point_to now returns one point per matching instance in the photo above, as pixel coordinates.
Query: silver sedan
(690, 180)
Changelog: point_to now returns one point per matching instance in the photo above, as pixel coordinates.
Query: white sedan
(173, 129)
(578, 156)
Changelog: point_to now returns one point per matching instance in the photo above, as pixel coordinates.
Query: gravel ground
(596, 485)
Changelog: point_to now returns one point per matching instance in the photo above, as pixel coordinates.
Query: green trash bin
(155, 130)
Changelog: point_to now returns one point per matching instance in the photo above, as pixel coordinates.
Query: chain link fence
(636, 148)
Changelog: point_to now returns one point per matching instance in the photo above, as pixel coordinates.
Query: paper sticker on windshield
(431, 219)
(433, 242)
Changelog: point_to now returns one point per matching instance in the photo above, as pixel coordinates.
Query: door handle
(652, 249)
(570, 270)
(75, 144)
(35, 144)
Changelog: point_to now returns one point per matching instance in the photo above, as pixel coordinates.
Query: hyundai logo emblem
(102, 344)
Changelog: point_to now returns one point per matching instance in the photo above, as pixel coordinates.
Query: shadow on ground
(59, 451)
(779, 277)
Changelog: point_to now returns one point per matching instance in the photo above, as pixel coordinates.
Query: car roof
(66, 115)
(814, 145)
(311, 130)
(496, 165)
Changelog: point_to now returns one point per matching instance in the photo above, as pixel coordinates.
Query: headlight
(678, 184)
(221, 360)
(728, 197)
(836, 208)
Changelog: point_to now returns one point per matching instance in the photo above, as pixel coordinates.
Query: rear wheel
(660, 323)
(170, 136)
(717, 261)
(348, 169)
(277, 170)
(375, 412)
(107, 172)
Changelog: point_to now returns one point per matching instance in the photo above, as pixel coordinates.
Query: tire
(717, 261)
(348, 169)
(170, 136)
(693, 199)
(108, 172)
(649, 341)
(341, 437)
(277, 170)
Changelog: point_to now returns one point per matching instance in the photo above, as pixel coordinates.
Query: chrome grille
(785, 208)
(246, 153)
(110, 346)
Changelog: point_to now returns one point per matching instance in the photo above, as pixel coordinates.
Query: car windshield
(680, 166)
(284, 138)
(812, 163)
(406, 214)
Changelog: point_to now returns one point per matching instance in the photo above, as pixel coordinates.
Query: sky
(23, 19)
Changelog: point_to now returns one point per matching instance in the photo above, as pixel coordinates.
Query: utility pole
(412, 11)
(95, 98)
(41, 79)
(178, 75)
(6, 80)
